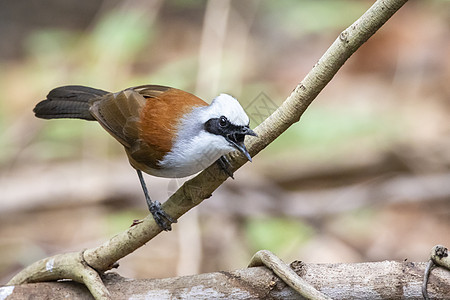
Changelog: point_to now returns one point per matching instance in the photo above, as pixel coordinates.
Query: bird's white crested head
(227, 106)
(205, 134)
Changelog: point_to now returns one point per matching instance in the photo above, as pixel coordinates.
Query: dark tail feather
(70, 101)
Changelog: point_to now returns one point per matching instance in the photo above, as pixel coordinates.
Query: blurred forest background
(364, 176)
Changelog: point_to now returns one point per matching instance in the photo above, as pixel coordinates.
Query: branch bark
(380, 280)
(194, 191)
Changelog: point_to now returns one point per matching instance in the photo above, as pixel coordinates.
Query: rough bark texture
(379, 280)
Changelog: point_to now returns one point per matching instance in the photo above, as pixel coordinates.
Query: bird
(166, 132)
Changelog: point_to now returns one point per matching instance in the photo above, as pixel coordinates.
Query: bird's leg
(225, 165)
(163, 220)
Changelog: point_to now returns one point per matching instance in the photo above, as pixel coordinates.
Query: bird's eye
(223, 121)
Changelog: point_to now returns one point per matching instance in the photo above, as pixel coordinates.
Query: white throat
(190, 157)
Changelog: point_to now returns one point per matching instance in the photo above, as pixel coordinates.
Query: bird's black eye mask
(234, 134)
(222, 126)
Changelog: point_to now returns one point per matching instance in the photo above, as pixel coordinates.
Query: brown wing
(144, 120)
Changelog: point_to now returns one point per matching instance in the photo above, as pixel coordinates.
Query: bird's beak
(237, 140)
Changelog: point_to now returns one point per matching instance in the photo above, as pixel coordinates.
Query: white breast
(191, 156)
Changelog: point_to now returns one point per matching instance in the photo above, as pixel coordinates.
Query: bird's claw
(163, 220)
(225, 165)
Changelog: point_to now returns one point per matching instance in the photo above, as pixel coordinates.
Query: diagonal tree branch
(194, 191)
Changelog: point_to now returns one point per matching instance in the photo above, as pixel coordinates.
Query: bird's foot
(163, 220)
(225, 165)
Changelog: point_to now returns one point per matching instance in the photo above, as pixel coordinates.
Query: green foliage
(357, 224)
(177, 73)
(333, 14)
(63, 138)
(120, 220)
(277, 235)
(100, 57)
(121, 41)
(325, 128)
